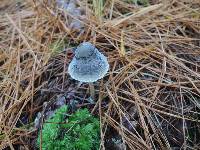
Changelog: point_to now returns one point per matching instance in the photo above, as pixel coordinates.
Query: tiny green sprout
(57, 46)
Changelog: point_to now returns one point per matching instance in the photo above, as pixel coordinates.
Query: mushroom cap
(88, 64)
(84, 50)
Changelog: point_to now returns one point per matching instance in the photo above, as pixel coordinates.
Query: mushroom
(75, 13)
(88, 65)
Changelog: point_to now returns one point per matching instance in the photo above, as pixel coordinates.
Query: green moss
(80, 131)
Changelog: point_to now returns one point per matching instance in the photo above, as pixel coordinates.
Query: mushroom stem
(92, 91)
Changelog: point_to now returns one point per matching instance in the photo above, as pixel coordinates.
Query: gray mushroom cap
(88, 64)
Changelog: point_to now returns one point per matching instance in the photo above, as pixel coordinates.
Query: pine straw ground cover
(150, 99)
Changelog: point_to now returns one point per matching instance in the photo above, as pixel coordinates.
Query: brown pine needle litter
(150, 99)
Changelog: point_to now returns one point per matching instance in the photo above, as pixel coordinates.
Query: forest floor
(149, 99)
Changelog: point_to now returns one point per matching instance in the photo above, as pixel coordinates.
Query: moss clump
(79, 131)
